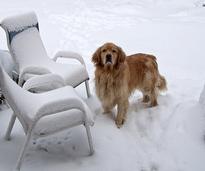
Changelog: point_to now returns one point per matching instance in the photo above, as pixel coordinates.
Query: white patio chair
(27, 49)
(44, 113)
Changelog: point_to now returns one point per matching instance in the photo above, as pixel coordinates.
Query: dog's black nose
(108, 58)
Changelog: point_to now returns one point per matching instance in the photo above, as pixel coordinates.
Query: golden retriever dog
(117, 76)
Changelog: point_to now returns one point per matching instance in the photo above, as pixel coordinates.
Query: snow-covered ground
(169, 137)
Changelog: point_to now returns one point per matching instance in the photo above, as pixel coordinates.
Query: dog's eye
(104, 50)
(114, 51)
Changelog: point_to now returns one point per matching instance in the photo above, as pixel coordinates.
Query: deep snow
(169, 137)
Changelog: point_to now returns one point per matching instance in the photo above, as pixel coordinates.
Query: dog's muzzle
(108, 59)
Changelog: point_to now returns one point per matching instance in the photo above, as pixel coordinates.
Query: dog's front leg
(108, 106)
(106, 109)
(122, 107)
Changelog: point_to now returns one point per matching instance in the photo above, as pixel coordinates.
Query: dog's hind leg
(146, 94)
(153, 97)
(150, 95)
(145, 98)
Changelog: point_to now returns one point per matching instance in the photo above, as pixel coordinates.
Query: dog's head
(108, 55)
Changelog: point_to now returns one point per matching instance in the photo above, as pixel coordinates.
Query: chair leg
(89, 138)
(10, 127)
(23, 152)
(87, 88)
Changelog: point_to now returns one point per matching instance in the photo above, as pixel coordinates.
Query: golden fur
(117, 76)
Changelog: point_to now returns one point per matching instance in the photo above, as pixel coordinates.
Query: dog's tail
(162, 83)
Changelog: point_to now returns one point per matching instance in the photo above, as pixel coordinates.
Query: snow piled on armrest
(42, 83)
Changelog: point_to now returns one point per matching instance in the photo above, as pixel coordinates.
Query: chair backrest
(24, 41)
(13, 94)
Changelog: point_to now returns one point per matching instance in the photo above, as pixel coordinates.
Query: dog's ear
(96, 56)
(121, 55)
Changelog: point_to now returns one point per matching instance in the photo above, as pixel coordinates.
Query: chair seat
(51, 102)
(59, 121)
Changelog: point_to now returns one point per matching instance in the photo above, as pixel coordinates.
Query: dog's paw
(106, 112)
(145, 99)
(119, 122)
(153, 104)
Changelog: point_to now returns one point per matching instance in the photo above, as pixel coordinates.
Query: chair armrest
(35, 70)
(45, 82)
(69, 54)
